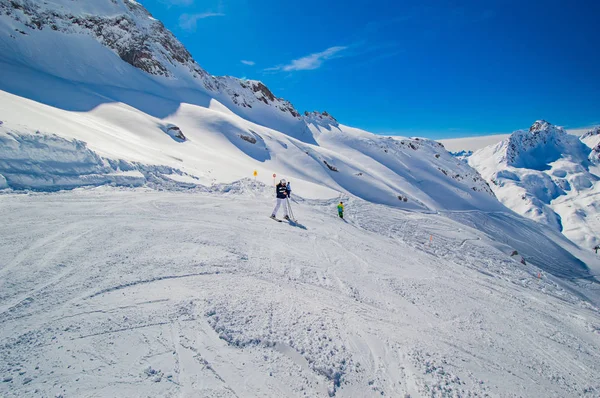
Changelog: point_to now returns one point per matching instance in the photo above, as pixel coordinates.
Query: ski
(276, 219)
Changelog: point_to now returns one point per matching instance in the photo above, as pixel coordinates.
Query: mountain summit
(545, 173)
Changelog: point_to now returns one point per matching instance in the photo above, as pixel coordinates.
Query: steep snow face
(31, 29)
(593, 134)
(419, 170)
(106, 77)
(541, 145)
(121, 25)
(221, 147)
(545, 174)
(592, 139)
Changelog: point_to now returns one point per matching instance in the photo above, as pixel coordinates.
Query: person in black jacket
(282, 193)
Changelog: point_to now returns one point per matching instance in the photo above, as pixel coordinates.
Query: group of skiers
(283, 192)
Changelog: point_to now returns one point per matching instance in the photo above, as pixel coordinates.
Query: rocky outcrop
(595, 132)
(320, 115)
(538, 146)
(323, 119)
(137, 38)
(176, 133)
(595, 154)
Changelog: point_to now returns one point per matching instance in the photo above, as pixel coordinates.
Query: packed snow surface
(158, 273)
(112, 292)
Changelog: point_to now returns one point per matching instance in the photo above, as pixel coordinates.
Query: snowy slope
(69, 39)
(180, 285)
(121, 106)
(472, 143)
(546, 174)
(133, 293)
(592, 139)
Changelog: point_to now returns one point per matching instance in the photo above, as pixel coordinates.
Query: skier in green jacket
(340, 209)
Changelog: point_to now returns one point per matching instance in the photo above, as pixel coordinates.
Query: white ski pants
(280, 202)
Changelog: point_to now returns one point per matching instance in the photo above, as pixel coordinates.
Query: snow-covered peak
(124, 26)
(129, 30)
(594, 156)
(544, 173)
(540, 125)
(319, 115)
(595, 132)
(320, 118)
(543, 143)
(263, 94)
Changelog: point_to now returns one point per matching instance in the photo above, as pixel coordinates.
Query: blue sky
(432, 68)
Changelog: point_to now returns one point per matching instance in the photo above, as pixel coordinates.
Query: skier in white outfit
(282, 193)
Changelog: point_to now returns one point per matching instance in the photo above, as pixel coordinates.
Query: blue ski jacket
(281, 191)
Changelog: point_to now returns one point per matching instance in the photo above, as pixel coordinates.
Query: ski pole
(289, 208)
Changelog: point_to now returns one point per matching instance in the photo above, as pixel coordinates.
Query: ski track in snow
(116, 292)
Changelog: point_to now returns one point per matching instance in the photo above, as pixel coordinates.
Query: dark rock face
(176, 132)
(263, 94)
(595, 154)
(330, 167)
(248, 138)
(538, 126)
(136, 45)
(267, 94)
(316, 115)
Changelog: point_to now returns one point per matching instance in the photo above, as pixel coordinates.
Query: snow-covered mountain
(549, 176)
(163, 275)
(130, 32)
(124, 81)
(592, 139)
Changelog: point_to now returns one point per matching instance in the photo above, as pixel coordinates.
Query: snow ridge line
(157, 279)
(119, 330)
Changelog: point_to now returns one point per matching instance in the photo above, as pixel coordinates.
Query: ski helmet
(283, 181)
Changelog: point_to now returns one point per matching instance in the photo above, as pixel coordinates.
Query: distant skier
(340, 209)
(281, 192)
(289, 190)
(597, 248)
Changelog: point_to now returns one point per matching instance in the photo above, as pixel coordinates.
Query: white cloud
(190, 21)
(250, 63)
(310, 62)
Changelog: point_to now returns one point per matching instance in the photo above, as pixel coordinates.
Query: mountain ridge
(542, 173)
(91, 57)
